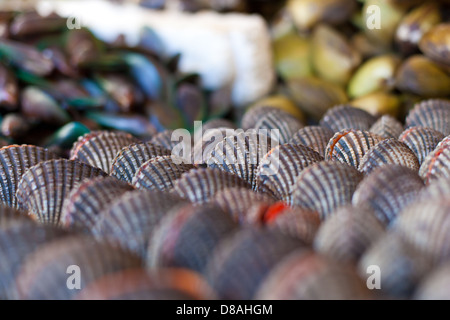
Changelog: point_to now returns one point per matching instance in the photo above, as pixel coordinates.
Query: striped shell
(240, 263)
(213, 124)
(200, 185)
(82, 207)
(304, 275)
(205, 146)
(44, 273)
(130, 219)
(130, 158)
(15, 160)
(347, 117)
(280, 167)
(348, 233)
(387, 191)
(436, 285)
(350, 146)
(160, 173)
(421, 141)
(325, 186)
(164, 139)
(285, 124)
(437, 164)
(387, 127)
(433, 113)
(101, 149)
(253, 115)
(44, 187)
(187, 237)
(389, 151)
(315, 137)
(437, 189)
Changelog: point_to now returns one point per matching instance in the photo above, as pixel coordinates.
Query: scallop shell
(325, 186)
(347, 117)
(437, 164)
(169, 142)
(348, 233)
(82, 207)
(160, 173)
(44, 187)
(280, 127)
(100, 150)
(315, 137)
(433, 113)
(387, 127)
(130, 158)
(200, 185)
(350, 146)
(253, 115)
(421, 140)
(187, 237)
(279, 169)
(389, 151)
(15, 160)
(130, 219)
(44, 273)
(240, 263)
(435, 286)
(204, 147)
(308, 276)
(387, 191)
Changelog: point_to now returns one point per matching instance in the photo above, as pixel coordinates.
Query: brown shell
(325, 186)
(204, 148)
(437, 164)
(164, 139)
(44, 274)
(240, 263)
(285, 124)
(10, 216)
(437, 189)
(130, 158)
(436, 285)
(44, 187)
(187, 237)
(433, 113)
(347, 117)
(253, 115)
(280, 167)
(389, 151)
(350, 146)
(348, 233)
(82, 207)
(387, 127)
(200, 185)
(387, 191)
(160, 173)
(101, 149)
(421, 140)
(315, 137)
(15, 160)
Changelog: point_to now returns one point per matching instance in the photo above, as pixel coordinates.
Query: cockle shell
(437, 164)
(280, 127)
(164, 139)
(347, 117)
(315, 137)
(44, 187)
(421, 141)
(387, 127)
(437, 189)
(211, 125)
(433, 113)
(204, 147)
(130, 158)
(253, 115)
(15, 160)
(435, 286)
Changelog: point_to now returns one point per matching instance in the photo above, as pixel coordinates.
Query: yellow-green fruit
(379, 103)
(283, 103)
(436, 44)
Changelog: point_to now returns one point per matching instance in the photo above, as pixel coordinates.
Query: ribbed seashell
(350, 146)
(237, 202)
(387, 191)
(15, 160)
(10, 216)
(241, 154)
(421, 141)
(130, 158)
(200, 185)
(436, 285)
(348, 233)
(44, 274)
(213, 124)
(17, 241)
(285, 124)
(437, 164)
(280, 167)
(82, 207)
(387, 127)
(437, 189)
(44, 187)
(141, 284)
(101, 149)
(187, 237)
(433, 113)
(325, 186)
(347, 117)
(389, 151)
(160, 173)
(315, 137)
(82, 140)
(400, 265)
(253, 115)
(164, 139)
(295, 222)
(131, 219)
(426, 226)
(240, 263)
(204, 147)
(304, 275)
